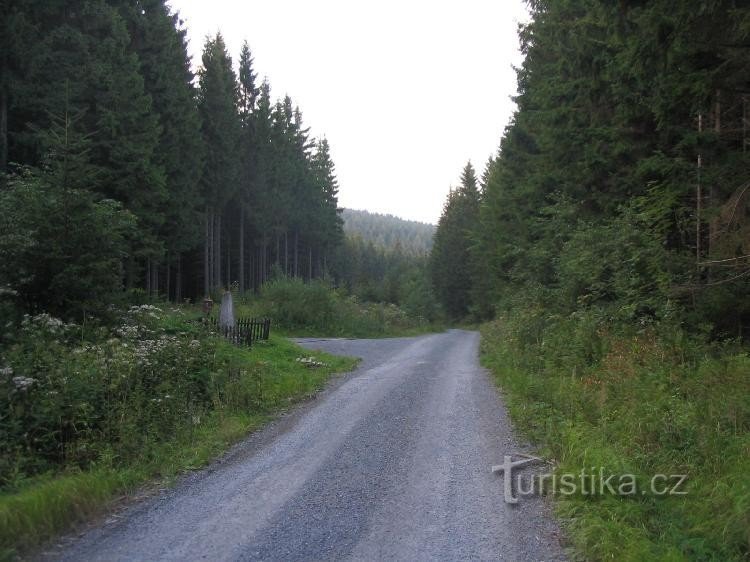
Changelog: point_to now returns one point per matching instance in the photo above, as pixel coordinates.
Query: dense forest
(385, 259)
(607, 245)
(387, 231)
(121, 168)
(622, 180)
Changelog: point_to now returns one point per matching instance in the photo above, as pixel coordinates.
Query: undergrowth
(640, 401)
(91, 413)
(315, 309)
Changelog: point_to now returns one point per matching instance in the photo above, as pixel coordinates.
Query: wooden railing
(245, 330)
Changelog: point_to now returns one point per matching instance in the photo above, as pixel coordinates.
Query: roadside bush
(316, 308)
(294, 304)
(71, 402)
(88, 413)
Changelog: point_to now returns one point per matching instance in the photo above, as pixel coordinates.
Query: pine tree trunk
(712, 224)
(148, 277)
(242, 250)
(155, 281)
(263, 262)
(169, 279)
(699, 202)
(130, 273)
(3, 129)
(251, 270)
(296, 253)
(286, 253)
(229, 261)
(217, 256)
(178, 280)
(309, 266)
(207, 255)
(278, 250)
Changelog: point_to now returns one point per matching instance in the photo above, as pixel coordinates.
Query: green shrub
(90, 412)
(68, 402)
(294, 304)
(315, 308)
(61, 248)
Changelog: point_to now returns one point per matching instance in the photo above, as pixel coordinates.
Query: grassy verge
(640, 402)
(259, 383)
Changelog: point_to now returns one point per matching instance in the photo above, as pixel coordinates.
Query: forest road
(391, 462)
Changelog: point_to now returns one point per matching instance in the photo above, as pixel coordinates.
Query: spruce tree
(450, 262)
(161, 47)
(248, 96)
(217, 105)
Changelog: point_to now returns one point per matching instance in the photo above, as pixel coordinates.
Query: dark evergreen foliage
(620, 183)
(387, 231)
(450, 263)
(223, 182)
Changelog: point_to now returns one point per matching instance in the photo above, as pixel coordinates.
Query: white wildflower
(310, 362)
(22, 383)
(6, 291)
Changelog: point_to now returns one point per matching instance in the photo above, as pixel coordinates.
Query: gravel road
(392, 461)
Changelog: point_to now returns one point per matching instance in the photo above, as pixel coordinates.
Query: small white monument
(226, 313)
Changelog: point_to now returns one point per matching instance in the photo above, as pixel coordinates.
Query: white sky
(406, 92)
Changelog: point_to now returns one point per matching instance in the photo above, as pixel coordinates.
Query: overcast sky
(405, 91)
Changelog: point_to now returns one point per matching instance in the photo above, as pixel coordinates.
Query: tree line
(621, 182)
(120, 167)
(384, 259)
(412, 237)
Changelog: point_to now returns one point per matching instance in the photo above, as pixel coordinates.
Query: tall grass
(636, 401)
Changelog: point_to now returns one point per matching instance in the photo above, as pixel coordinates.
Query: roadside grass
(642, 402)
(253, 385)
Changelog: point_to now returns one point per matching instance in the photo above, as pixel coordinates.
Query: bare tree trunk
(264, 262)
(217, 257)
(207, 255)
(278, 250)
(229, 261)
(251, 270)
(148, 277)
(699, 201)
(155, 282)
(712, 224)
(242, 250)
(296, 253)
(130, 273)
(169, 280)
(178, 280)
(286, 253)
(744, 123)
(309, 265)
(3, 129)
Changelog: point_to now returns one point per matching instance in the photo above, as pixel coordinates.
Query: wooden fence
(245, 330)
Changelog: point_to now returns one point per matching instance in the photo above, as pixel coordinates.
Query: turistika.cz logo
(593, 481)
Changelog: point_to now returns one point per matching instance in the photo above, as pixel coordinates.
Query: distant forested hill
(389, 231)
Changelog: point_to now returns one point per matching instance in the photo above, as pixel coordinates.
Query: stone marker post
(226, 313)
